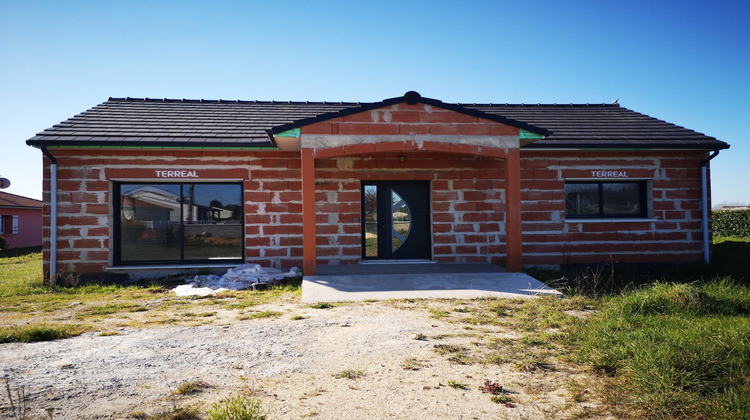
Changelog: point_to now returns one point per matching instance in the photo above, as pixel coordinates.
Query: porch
(382, 281)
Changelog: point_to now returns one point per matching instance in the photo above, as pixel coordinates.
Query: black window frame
(117, 223)
(643, 188)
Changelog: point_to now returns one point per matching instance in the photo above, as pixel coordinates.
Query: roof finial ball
(412, 97)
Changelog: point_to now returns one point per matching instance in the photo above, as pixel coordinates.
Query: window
(8, 225)
(592, 199)
(178, 222)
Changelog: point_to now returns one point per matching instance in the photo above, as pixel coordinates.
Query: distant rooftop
(16, 201)
(237, 123)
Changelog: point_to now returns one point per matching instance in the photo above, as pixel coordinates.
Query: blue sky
(685, 62)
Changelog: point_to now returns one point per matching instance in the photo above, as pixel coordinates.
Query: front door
(396, 220)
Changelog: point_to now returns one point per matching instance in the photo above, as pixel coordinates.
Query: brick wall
(271, 187)
(673, 234)
(467, 195)
(467, 198)
(404, 119)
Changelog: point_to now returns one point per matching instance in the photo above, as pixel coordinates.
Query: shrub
(237, 407)
(731, 223)
(3, 243)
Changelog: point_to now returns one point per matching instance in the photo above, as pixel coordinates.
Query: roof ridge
(273, 101)
(230, 101)
(606, 105)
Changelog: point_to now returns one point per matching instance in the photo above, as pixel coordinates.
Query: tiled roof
(220, 123)
(602, 125)
(12, 200)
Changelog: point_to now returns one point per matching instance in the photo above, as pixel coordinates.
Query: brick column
(513, 243)
(308, 212)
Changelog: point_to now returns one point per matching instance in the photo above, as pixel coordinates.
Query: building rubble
(242, 277)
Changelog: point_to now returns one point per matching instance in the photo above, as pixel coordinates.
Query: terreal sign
(609, 174)
(177, 174)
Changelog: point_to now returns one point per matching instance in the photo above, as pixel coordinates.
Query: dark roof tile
(185, 122)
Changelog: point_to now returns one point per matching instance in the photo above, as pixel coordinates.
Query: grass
(21, 271)
(680, 349)
(259, 315)
(349, 374)
(457, 385)
(412, 363)
(190, 387)
(237, 407)
(667, 341)
(39, 332)
(31, 310)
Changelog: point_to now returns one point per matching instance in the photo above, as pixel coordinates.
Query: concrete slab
(364, 283)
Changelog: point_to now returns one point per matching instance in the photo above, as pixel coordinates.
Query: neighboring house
(173, 184)
(20, 220)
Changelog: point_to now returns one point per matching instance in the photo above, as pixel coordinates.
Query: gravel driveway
(290, 362)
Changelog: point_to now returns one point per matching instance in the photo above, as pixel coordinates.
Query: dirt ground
(365, 360)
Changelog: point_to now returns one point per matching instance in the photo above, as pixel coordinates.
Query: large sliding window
(178, 223)
(606, 199)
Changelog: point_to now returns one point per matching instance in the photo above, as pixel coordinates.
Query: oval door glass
(401, 220)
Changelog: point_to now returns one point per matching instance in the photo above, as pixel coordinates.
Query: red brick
(475, 195)
(102, 209)
(252, 253)
(102, 255)
(384, 129)
(259, 196)
(278, 174)
(350, 251)
(327, 229)
(444, 217)
(442, 227)
(252, 219)
(417, 129)
(444, 129)
(327, 251)
(442, 116)
(280, 230)
(86, 243)
(465, 206)
(77, 220)
(404, 116)
(258, 241)
(503, 130)
(273, 186)
(284, 207)
(474, 129)
(96, 186)
(276, 252)
(444, 238)
(98, 231)
(291, 218)
(318, 128)
(354, 129)
(444, 196)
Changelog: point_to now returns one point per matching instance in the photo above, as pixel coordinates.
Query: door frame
(427, 222)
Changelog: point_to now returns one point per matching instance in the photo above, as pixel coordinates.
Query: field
(632, 341)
